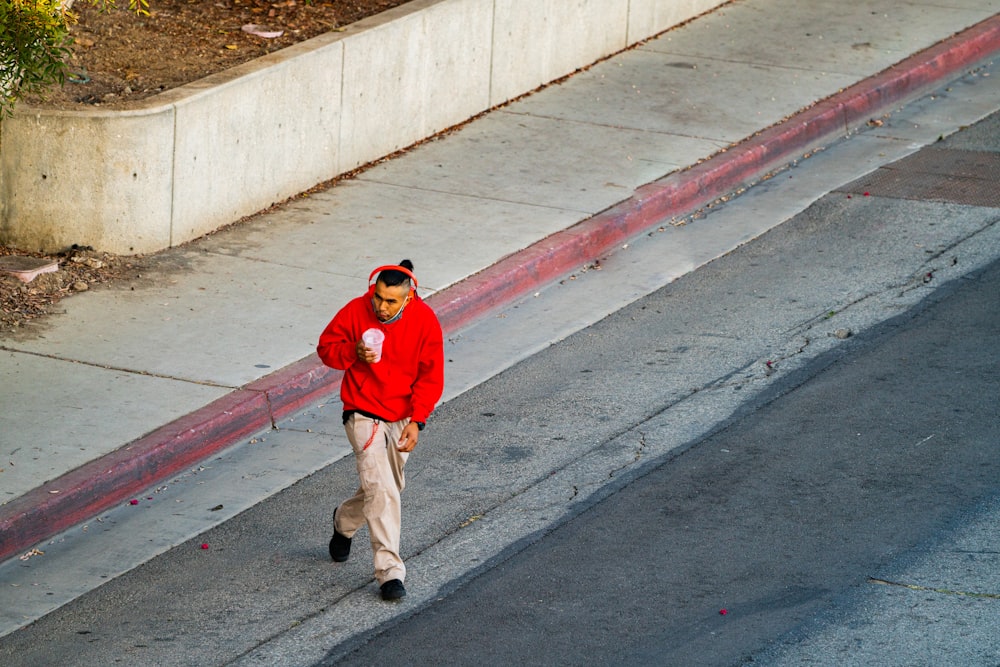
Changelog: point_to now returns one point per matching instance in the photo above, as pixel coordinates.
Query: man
(387, 397)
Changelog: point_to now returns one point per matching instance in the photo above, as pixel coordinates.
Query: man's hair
(392, 277)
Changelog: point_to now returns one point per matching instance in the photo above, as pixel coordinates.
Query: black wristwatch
(420, 425)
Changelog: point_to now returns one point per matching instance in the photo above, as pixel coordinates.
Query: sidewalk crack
(943, 591)
(119, 369)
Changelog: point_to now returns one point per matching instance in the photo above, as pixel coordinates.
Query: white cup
(373, 341)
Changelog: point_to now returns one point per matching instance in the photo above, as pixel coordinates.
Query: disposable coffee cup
(373, 341)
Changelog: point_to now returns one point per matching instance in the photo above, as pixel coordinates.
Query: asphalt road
(834, 475)
(723, 449)
(882, 446)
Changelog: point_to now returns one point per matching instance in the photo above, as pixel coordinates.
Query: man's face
(389, 300)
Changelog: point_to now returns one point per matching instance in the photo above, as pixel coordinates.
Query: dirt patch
(80, 269)
(121, 58)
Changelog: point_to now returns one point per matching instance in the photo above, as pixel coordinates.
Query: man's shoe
(340, 546)
(393, 590)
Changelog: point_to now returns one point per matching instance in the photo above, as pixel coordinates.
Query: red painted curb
(291, 388)
(94, 487)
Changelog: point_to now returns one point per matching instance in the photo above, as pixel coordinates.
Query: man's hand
(408, 440)
(365, 354)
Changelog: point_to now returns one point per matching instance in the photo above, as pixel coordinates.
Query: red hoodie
(409, 378)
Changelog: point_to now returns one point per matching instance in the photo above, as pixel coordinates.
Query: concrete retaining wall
(206, 154)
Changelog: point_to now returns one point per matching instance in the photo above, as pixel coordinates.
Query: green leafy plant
(34, 45)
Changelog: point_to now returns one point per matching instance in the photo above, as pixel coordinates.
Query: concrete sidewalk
(128, 387)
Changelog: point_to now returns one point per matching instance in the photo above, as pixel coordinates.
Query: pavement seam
(931, 589)
(40, 514)
(119, 369)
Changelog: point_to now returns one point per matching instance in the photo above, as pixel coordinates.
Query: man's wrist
(420, 425)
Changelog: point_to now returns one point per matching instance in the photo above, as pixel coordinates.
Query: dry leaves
(79, 270)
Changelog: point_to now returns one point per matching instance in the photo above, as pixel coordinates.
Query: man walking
(388, 394)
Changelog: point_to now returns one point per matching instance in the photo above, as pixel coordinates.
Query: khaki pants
(377, 503)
